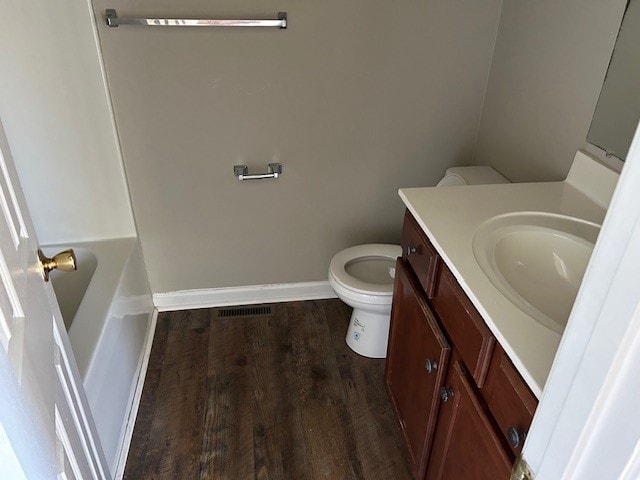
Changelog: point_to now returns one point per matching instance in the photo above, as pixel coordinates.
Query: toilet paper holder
(274, 170)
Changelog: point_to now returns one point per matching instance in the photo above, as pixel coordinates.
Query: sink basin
(537, 261)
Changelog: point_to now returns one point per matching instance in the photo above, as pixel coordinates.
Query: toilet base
(368, 333)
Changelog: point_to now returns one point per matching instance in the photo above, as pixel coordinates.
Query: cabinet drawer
(509, 399)
(419, 253)
(464, 325)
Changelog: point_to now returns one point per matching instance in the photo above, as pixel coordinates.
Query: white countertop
(450, 216)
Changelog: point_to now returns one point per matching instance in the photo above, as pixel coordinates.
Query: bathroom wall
(57, 118)
(548, 67)
(356, 99)
(618, 110)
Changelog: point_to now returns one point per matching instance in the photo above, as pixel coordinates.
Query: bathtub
(107, 310)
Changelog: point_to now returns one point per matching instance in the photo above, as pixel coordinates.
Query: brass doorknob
(65, 260)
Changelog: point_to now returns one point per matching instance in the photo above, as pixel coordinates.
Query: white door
(45, 428)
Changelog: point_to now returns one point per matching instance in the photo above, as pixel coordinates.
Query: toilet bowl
(362, 277)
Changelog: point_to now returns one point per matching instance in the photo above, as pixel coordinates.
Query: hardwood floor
(276, 396)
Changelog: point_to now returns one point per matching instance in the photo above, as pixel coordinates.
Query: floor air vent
(245, 312)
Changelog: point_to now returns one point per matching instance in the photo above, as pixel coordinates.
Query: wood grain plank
(326, 443)
(191, 319)
(228, 346)
(375, 429)
(141, 434)
(269, 399)
(227, 438)
(175, 435)
(316, 377)
(285, 408)
(277, 397)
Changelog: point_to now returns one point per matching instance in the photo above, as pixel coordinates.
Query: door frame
(584, 427)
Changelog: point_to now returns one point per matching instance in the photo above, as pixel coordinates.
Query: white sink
(537, 261)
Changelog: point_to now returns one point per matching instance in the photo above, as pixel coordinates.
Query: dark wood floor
(270, 396)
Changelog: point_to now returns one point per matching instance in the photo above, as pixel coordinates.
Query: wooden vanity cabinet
(509, 400)
(417, 360)
(466, 445)
(418, 252)
(462, 322)
(462, 419)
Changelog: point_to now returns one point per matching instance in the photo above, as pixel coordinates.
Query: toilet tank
(476, 175)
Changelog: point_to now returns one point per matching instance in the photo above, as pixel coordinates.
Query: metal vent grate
(245, 312)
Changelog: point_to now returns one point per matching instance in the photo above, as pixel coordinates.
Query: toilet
(363, 276)
(477, 175)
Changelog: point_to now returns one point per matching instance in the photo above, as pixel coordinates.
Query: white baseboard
(252, 294)
(135, 399)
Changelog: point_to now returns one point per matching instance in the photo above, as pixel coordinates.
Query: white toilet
(363, 276)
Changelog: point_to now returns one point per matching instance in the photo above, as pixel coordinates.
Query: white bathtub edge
(114, 367)
(134, 399)
(85, 335)
(246, 295)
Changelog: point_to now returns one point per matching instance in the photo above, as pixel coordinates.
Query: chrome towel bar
(112, 19)
(274, 170)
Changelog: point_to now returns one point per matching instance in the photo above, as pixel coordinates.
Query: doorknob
(430, 365)
(65, 260)
(446, 394)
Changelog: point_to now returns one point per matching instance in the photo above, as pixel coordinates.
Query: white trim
(247, 295)
(10, 289)
(135, 399)
(612, 416)
(580, 425)
(63, 438)
(88, 437)
(15, 234)
(5, 332)
(632, 469)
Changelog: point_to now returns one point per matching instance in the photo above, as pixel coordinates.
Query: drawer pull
(411, 250)
(445, 394)
(430, 365)
(516, 437)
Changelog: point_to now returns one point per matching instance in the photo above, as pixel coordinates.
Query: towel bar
(112, 19)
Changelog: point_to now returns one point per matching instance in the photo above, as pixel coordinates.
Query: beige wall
(356, 99)
(549, 63)
(58, 122)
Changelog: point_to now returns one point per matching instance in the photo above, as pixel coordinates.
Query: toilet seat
(373, 261)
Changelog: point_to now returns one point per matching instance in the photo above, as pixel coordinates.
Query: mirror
(618, 108)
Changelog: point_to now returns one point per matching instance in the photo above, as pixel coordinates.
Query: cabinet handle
(411, 250)
(430, 365)
(516, 437)
(445, 394)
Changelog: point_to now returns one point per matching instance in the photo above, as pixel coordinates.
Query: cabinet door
(466, 445)
(509, 400)
(417, 359)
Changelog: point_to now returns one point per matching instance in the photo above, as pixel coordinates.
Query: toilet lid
(368, 269)
(451, 180)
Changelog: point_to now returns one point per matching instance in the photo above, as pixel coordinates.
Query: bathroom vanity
(443, 364)
(466, 361)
